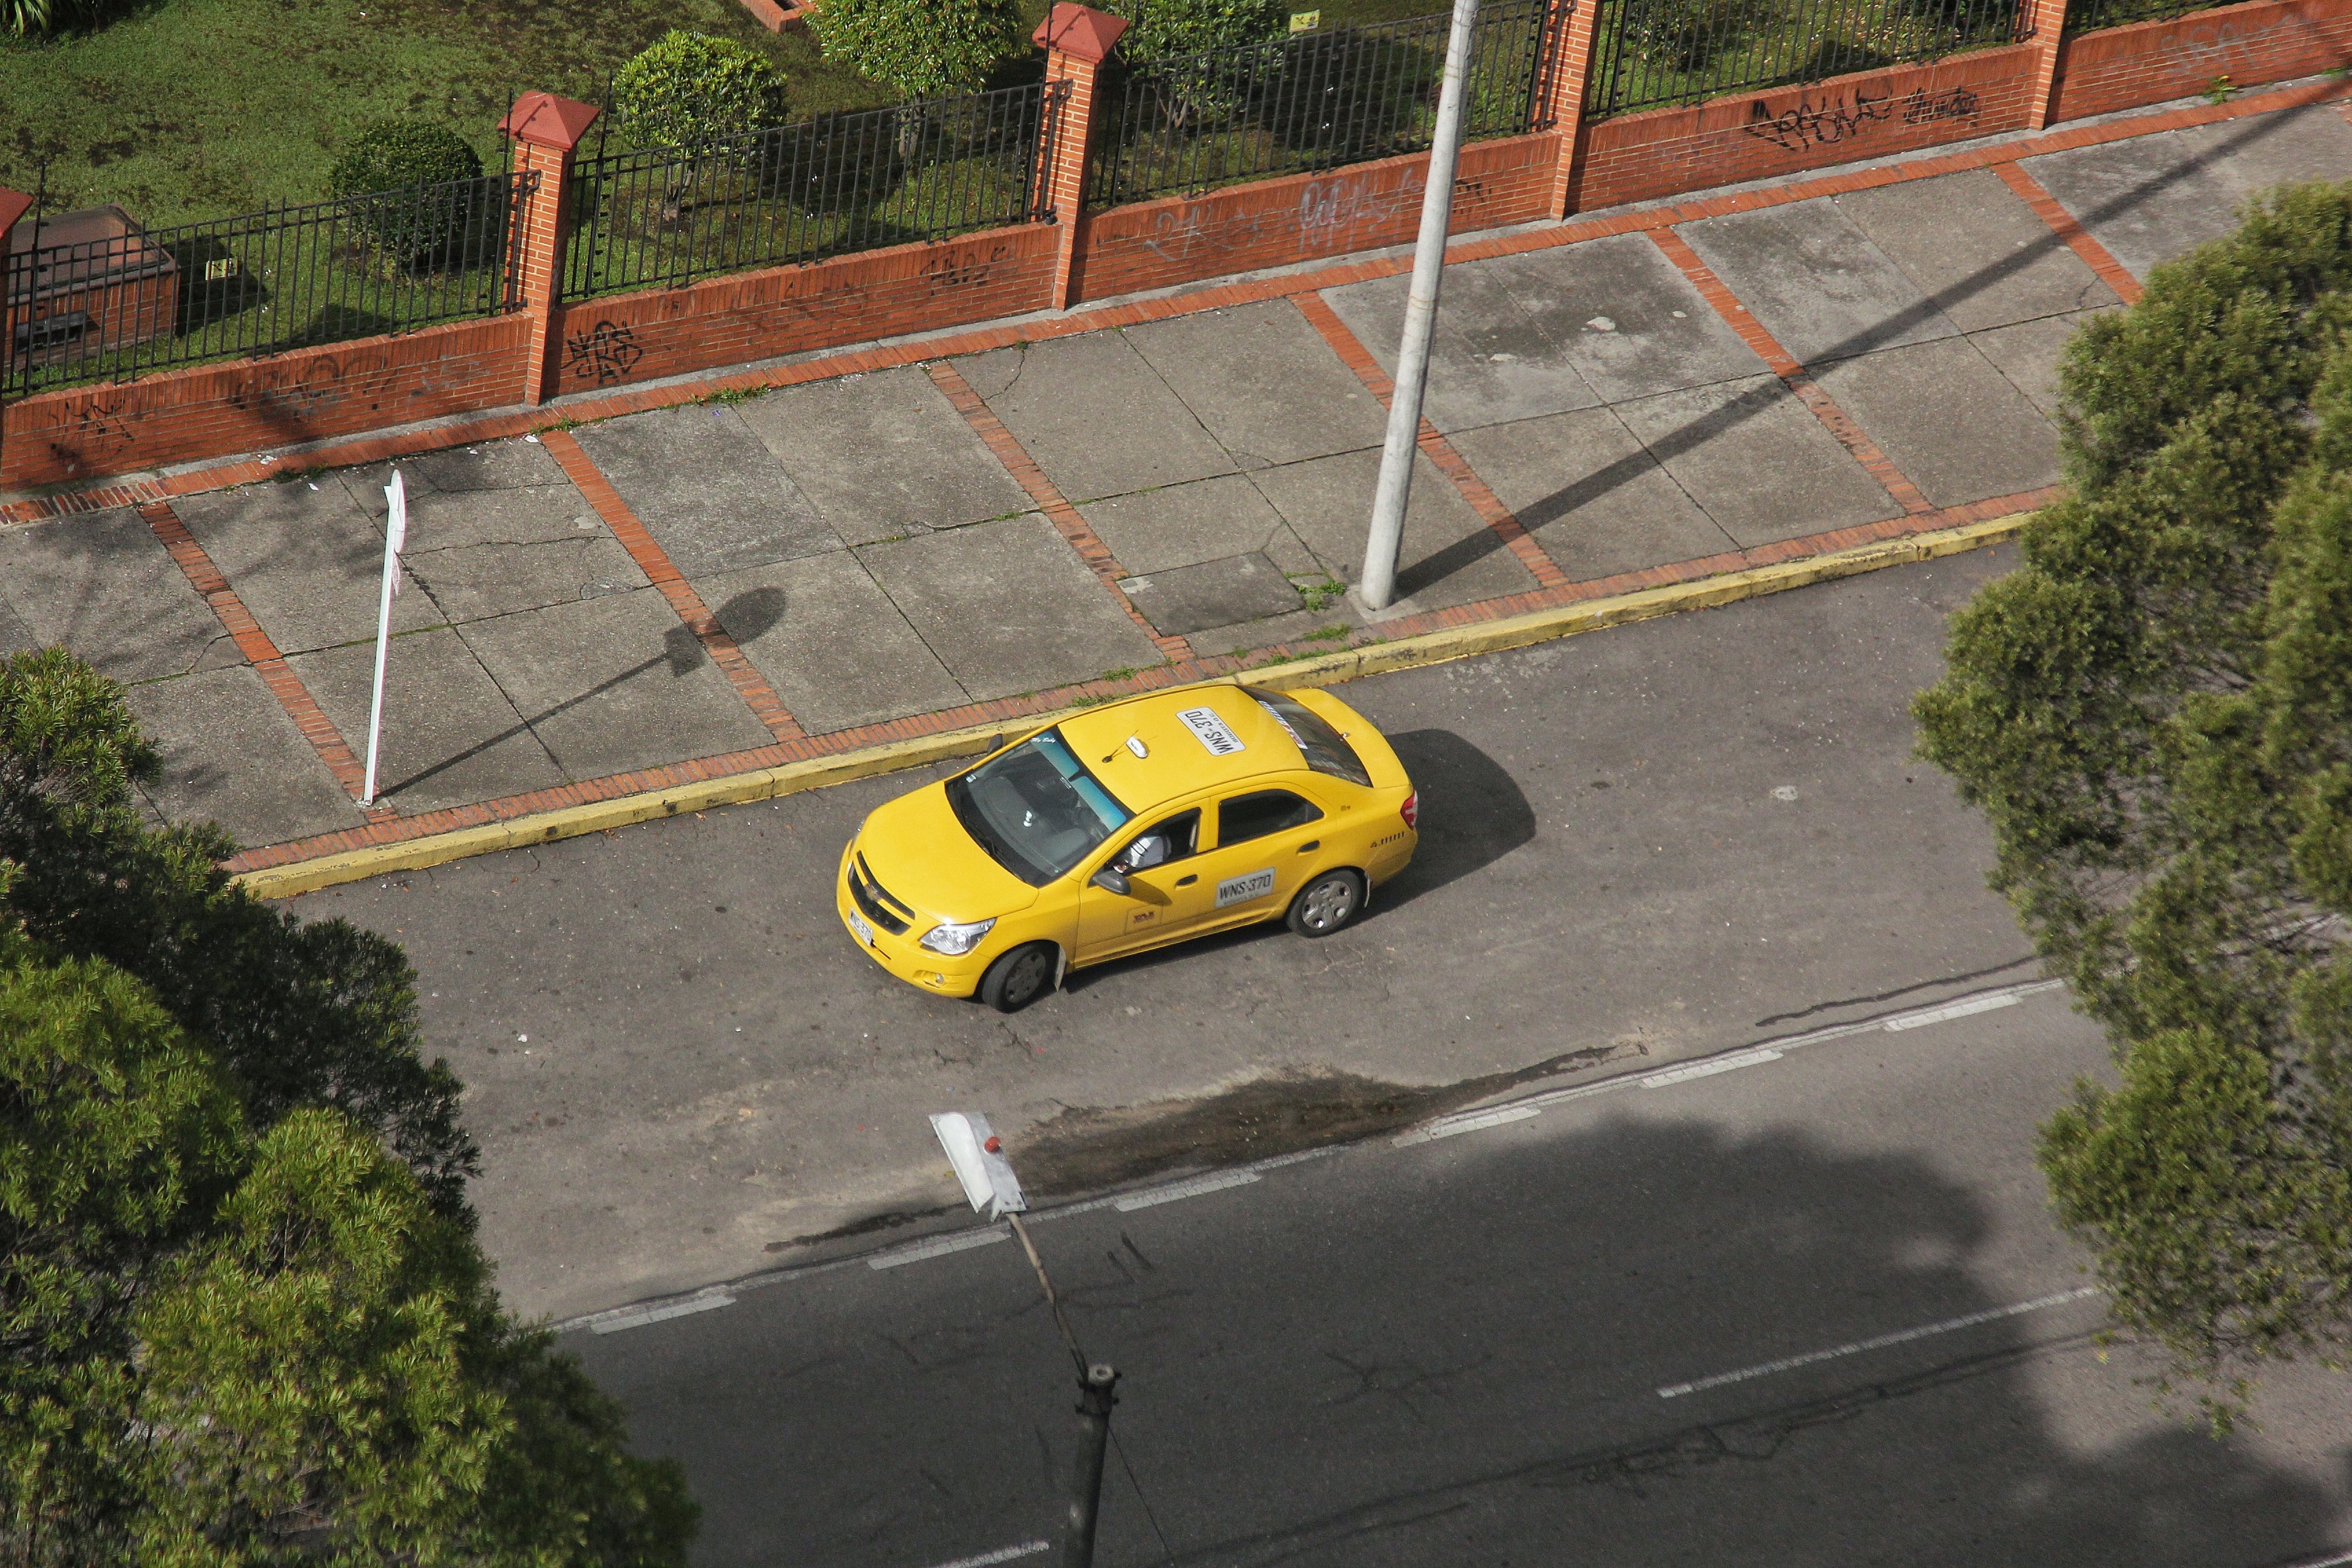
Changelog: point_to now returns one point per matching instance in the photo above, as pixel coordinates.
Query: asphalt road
(1640, 844)
(1453, 1351)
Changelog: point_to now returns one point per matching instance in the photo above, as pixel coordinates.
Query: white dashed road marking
(661, 1314)
(1901, 1336)
(1002, 1554)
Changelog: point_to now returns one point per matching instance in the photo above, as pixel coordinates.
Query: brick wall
(2270, 40)
(1870, 114)
(249, 404)
(1307, 217)
(786, 310)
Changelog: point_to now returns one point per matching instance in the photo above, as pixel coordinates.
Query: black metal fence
(1648, 53)
(923, 170)
(1314, 100)
(94, 298)
(2090, 15)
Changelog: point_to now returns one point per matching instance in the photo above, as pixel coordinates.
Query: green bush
(396, 174)
(1159, 28)
(689, 89)
(922, 47)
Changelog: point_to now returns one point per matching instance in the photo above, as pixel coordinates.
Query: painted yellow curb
(1322, 669)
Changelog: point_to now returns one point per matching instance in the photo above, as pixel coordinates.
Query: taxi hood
(917, 850)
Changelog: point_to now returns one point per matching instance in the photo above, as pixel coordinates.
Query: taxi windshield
(1035, 809)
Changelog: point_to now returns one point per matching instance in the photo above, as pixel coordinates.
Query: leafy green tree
(921, 48)
(239, 1322)
(301, 1014)
(689, 89)
(2155, 713)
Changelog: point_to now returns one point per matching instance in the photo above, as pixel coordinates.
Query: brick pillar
(545, 130)
(14, 204)
(1568, 39)
(1077, 41)
(2046, 23)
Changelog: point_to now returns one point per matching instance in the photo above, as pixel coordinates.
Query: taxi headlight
(955, 939)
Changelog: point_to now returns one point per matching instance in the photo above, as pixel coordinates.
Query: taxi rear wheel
(1019, 978)
(1327, 903)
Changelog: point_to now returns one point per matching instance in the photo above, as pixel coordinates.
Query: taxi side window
(1247, 816)
(1170, 840)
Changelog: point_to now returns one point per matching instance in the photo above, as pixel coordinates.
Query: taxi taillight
(1410, 810)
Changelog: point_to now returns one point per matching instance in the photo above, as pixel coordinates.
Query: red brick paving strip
(2062, 223)
(1066, 519)
(1792, 375)
(1016, 713)
(655, 564)
(495, 424)
(259, 651)
(1439, 450)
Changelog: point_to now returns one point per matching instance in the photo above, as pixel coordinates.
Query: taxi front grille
(873, 902)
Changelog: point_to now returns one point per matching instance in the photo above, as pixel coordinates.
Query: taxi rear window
(1326, 750)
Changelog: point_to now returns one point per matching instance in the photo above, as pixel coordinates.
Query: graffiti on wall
(606, 353)
(1809, 124)
(966, 269)
(2209, 48)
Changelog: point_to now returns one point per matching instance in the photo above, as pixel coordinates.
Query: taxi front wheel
(1327, 903)
(1019, 978)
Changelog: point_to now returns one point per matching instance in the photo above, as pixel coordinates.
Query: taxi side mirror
(1108, 881)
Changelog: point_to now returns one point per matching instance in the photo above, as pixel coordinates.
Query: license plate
(865, 932)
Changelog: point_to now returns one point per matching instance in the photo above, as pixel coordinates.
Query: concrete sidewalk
(710, 587)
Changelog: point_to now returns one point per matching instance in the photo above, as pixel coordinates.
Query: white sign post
(396, 534)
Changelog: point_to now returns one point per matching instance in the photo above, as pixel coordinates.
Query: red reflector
(1410, 810)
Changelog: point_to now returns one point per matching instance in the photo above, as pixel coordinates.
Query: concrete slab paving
(478, 580)
(883, 455)
(2148, 199)
(1449, 557)
(1334, 621)
(515, 464)
(101, 585)
(707, 488)
(1756, 460)
(2001, 266)
(1213, 594)
(2313, 142)
(1008, 608)
(2027, 355)
(614, 683)
(1183, 525)
(231, 755)
(1094, 415)
(1951, 421)
(1263, 381)
(1814, 280)
(831, 643)
(1661, 334)
(307, 563)
(1590, 493)
(1490, 361)
(451, 735)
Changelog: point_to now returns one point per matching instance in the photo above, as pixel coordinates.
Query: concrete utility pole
(1420, 317)
(1095, 1400)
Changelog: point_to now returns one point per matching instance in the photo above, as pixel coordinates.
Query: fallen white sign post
(396, 534)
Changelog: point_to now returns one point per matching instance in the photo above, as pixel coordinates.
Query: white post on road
(396, 534)
(1379, 584)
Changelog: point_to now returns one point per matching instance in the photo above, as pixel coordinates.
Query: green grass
(184, 110)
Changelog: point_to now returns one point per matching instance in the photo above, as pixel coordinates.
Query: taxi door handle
(1186, 881)
(1311, 846)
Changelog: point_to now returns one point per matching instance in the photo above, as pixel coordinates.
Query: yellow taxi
(1140, 822)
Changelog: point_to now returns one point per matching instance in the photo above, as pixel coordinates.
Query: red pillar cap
(14, 204)
(1079, 31)
(545, 120)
